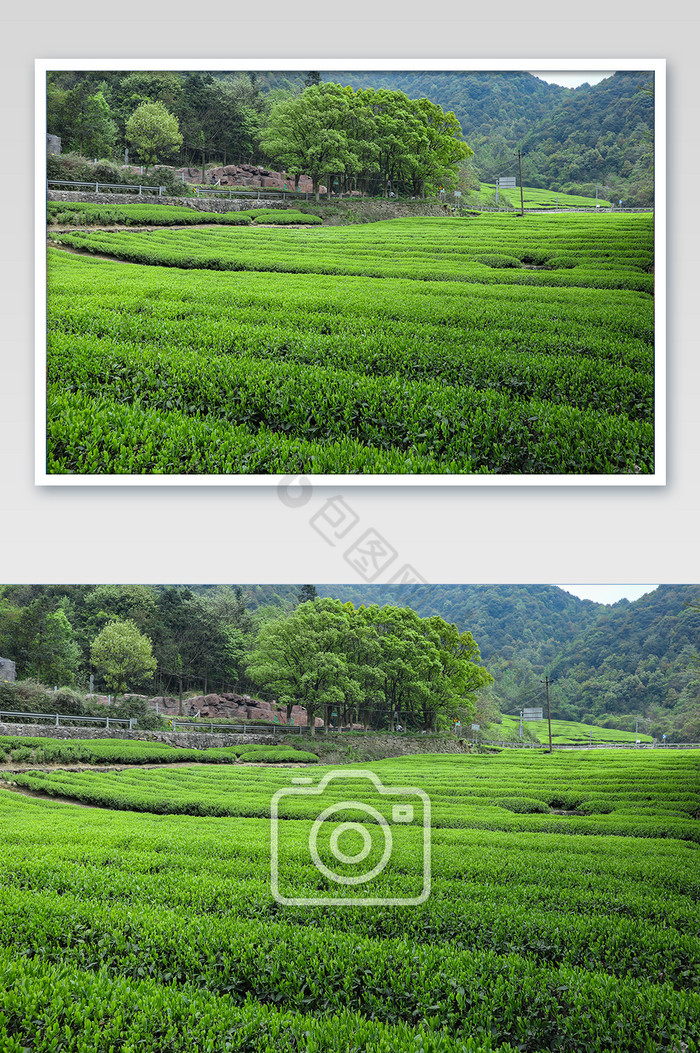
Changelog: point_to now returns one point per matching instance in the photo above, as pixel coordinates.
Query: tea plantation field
(563, 913)
(567, 732)
(502, 345)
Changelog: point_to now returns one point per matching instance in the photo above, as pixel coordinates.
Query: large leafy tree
(123, 656)
(379, 140)
(308, 133)
(190, 640)
(427, 670)
(375, 663)
(301, 658)
(154, 131)
(136, 603)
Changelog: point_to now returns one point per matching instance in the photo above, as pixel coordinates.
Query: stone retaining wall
(196, 740)
(368, 208)
(199, 204)
(368, 745)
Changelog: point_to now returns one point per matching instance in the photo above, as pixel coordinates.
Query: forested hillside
(607, 664)
(610, 664)
(572, 140)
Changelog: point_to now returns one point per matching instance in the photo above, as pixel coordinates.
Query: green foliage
(367, 665)
(571, 139)
(523, 805)
(494, 260)
(39, 750)
(276, 755)
(404, 376)
(573, 933)
(401, 125)
(40, 635)
(122, 654)
(80, 117)
(282, 217)
(80, 213)
(154, 131)
(374, 140)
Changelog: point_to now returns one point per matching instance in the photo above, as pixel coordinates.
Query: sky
(572, 78)
(608, 593)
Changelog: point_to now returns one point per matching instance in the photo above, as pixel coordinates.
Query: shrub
(561, 261)
(596, 807)
(278, 755)
(495, 260)
(565, 800)
(523, 805)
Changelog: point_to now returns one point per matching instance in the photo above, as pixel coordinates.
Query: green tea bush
(494, 260)
(281, 217)
(523, 805)
(566, 800)
(298, 358)
(561, 261)
(81, 213)
(596, 807)
(573, 934)
(278, 755)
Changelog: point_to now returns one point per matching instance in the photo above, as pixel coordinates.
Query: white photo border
(655, 66)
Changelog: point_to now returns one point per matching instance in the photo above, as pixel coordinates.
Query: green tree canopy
(301, 657)
(82, 117)
(122, 655)
(374, 662)
(379, 141)
(154, 131)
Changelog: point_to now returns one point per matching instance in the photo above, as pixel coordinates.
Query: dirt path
(93, 255)
(40, 795)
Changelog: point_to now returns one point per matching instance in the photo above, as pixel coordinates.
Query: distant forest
(572, 140)
(608, 665)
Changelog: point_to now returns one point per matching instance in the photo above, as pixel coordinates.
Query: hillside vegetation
(561, 911)
(608, 665)
(571, 140)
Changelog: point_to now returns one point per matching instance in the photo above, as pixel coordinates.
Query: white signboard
(532, 714)
(476, 727)
(506, 182)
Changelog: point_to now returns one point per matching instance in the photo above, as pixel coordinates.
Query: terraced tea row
(341, 375)
(618, 256)
(597, 804)
(181, 371)
(529, 941)
(78, 212)
(23, 749)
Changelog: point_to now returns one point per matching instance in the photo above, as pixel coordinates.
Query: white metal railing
(56, 717)
(258, 194)
(594, 745)
(97, 187)
(212, 727)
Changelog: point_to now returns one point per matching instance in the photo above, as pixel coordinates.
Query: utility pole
(522, 206)
(549, 718)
